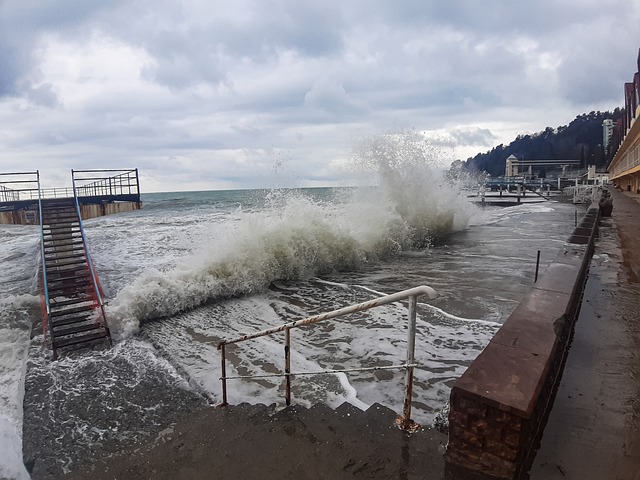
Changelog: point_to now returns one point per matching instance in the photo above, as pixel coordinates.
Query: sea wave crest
(296, 237)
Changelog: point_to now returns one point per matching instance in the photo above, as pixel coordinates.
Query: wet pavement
(255, 441)
(593, 431)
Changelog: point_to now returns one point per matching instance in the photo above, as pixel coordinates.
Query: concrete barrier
(100, 210)
(500, 404)
(28, 215)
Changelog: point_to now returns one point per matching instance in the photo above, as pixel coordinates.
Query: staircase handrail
(94, 280)
(45, 288)
(410, 294)
(126, 179)
(8, 194)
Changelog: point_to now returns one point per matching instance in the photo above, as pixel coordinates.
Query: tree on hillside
(580, 140)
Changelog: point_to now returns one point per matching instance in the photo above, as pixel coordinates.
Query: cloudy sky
(208, 94)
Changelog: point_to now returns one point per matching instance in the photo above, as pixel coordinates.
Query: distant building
(511, 169)
(517, 168)
(607, 132)
(624, 169)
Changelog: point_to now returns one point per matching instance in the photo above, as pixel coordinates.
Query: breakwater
(500, 404)
(27, 214)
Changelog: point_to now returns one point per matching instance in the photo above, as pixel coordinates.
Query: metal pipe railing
(45, 288)
(410, 294)
(124, 183)
(11, 186)
(94, 280)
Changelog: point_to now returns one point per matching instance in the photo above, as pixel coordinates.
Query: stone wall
(500, 404)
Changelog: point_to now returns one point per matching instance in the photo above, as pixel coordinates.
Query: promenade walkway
(593, 430)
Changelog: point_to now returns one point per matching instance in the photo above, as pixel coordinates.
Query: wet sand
(593, 431)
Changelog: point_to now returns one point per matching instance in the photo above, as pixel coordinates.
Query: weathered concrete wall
(20, 217)
(92, 211)
(30, 216)
(500, 404)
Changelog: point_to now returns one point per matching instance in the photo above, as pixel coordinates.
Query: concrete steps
(256, 441)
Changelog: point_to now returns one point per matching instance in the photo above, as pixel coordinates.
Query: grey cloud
(22, 27)
(187, 56)
(473, 137)
(307, 76)
(43, 95)
(330, 96)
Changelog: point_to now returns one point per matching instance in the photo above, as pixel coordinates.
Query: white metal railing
(582, 193)
(411, 294)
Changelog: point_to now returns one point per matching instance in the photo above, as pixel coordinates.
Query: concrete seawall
(500, 404)
(100, 210)
(26, 213)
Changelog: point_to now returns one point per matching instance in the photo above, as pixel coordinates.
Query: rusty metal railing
(412, 295)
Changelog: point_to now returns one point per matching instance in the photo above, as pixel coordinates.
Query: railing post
(223, 377)
(287, 364)
(411, 344)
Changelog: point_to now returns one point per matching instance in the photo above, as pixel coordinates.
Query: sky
(208, 94)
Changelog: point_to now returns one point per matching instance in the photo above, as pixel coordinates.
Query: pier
(98, 193)
(73, 304)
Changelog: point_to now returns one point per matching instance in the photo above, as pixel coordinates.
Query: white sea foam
(296, 237)
(16, 313)
(11, 466)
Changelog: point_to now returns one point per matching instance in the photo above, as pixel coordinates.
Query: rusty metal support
(387, 299)
(408, 379)
(412, 294)
(223, 378)
(287, 364)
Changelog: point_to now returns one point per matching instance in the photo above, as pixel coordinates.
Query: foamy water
(192, 268)
(18, 251)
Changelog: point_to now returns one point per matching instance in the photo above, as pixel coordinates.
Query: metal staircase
(74, 311)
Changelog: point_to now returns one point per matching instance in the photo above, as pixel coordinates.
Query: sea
(192, 268)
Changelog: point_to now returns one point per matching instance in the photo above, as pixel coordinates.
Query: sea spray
(295, 237)
(16, 314)
(411, 181)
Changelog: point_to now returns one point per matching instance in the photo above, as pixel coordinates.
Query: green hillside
(580, 140)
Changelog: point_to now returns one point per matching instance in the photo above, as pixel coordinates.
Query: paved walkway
(593, 430)
(251, 442)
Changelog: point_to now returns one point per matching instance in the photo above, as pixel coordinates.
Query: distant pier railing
(98, 193)
(106, 183)
(18, 186)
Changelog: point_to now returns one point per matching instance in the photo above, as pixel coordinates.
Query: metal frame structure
(410, 294)
(117, 183)
(96, 284)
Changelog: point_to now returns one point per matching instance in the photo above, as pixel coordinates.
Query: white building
(607, 131)
(511, 169)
